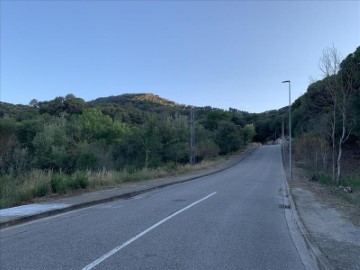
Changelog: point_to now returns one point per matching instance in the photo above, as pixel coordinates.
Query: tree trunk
(341, 141)
(338, 164)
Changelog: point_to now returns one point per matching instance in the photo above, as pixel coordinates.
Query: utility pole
(192, 136)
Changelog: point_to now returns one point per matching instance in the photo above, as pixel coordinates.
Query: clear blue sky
(217, 53)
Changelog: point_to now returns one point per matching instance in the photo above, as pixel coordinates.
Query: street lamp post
(290, 168)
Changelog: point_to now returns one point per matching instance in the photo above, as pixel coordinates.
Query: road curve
(229, 220)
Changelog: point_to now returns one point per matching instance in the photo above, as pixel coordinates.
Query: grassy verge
(348, 180)
(37, 183)
(354, 182)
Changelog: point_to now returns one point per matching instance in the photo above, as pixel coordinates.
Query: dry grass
(17, 190)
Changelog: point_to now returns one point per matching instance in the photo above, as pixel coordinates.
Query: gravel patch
(332, 223)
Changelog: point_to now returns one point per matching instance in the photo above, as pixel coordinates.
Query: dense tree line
(329, 115)
(146, 131)
(326, 119)
(129, 131)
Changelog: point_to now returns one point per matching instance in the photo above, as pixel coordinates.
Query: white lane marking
(118, 248)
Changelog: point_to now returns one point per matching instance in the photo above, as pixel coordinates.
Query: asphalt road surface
(229, 220)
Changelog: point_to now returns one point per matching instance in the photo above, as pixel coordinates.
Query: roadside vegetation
(327, 125)
(52, 147)
(66, 144)
(39, 183)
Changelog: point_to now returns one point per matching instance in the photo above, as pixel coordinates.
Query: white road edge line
(118, 248)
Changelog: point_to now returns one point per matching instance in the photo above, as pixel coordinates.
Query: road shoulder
(329, 221)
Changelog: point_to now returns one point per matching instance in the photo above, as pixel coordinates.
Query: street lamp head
(285, 82)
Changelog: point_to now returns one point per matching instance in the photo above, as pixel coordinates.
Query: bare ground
(333, 222)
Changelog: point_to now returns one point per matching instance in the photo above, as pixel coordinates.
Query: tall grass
(24, 188)
(17, 189)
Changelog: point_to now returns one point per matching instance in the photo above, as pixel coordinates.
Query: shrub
(322, 178)
(79, 180)
(41, 189)
(171, 167)
(59, 183)
(352, 181)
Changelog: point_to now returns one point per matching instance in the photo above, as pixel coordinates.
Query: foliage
(351, 180)
(135, 132)
(313, 151)
(65, 138)
(15, 190)
(328, 115)
(228, 137)
(249, 133)
(322, 178)
(61, 183)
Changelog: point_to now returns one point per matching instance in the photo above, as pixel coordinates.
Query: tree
(340, 84)
(348, 78)
(213, 118)
(151, 144)
(330, 66)
(249, 133)
(50, 145)
(228, 137)
(34, 102)
(7, 141)
(70, 96)
(94, 125)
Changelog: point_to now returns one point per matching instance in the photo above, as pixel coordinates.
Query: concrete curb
(126, 195)
(322, 261)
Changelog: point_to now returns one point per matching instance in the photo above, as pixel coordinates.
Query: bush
(59, 183)
(171, 167)
(79, 180)
(41, 189)
(313, 151)
(322, 178)
(352, 181)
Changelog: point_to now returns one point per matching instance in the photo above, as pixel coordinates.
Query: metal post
(290, 165)
(192, 136)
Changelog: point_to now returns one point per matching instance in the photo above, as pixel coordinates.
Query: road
(229, 220)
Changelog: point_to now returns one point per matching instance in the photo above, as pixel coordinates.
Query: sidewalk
(20, 214)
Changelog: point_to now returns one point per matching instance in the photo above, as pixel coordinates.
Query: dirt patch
(332, 222)
(329, 196)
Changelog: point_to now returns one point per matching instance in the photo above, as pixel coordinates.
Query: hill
(137, 99)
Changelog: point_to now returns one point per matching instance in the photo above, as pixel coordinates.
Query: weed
(351, 180)
(171, 167)
(41, 189)
(15, 190)
(79, 180)
(59, 183)
(322, 178)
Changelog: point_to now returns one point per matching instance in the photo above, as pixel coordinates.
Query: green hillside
(70, 140)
